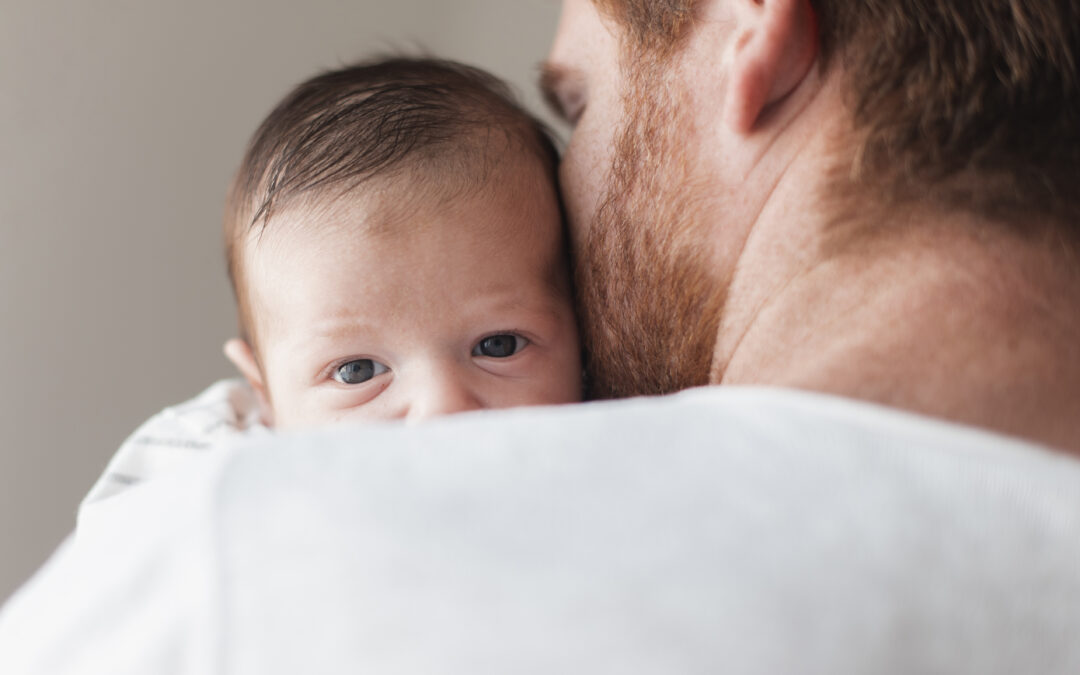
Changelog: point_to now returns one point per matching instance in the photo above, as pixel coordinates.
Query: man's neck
(943, 316)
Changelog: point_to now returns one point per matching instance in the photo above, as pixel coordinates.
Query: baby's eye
(358, 371)
(500, 346)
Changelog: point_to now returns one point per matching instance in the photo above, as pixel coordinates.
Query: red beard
(648, 300)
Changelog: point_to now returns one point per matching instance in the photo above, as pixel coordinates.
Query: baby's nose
(441, 393)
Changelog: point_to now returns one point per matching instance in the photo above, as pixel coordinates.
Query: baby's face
(379, 306)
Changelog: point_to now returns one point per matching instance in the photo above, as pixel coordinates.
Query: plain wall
(120, 124)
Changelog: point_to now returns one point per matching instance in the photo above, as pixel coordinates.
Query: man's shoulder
(717, 441)
(720, 420)
(720, 529)
(668, 535)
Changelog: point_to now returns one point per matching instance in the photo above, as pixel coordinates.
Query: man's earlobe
(772, 51)
(241, 355)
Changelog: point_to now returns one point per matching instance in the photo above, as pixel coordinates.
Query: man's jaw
(649, 300)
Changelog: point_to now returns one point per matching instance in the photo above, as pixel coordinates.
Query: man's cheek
(583, 174)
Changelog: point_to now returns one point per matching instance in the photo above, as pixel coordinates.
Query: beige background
(120, 123)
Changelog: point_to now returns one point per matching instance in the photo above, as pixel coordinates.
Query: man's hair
(970, 104)
(384, 117)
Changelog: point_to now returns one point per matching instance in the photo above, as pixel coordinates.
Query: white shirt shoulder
(719, 530)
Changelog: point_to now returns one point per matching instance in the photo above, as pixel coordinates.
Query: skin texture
(415, 284)
(643, 186)
(651, 301)
(726, 147)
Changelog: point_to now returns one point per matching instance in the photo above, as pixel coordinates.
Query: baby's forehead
(403, 241)
(403, 202)
(382, 245)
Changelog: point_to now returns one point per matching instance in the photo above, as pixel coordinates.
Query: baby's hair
(376, 118)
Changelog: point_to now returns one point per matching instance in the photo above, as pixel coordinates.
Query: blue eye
(500, 346)
(358, 371)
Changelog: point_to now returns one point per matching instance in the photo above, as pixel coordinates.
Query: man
(855, 203)
(870, 199)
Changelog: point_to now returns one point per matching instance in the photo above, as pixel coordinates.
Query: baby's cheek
(568, 384)
(377, 400)
(557, 377)
(318, 406)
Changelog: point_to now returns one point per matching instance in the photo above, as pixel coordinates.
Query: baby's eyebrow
(552, 79)
(340, 329)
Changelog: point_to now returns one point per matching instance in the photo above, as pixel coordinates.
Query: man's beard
(649, 304)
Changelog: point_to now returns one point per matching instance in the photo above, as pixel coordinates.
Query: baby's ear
(240, 353)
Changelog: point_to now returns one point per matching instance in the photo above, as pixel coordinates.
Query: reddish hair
(971, 105)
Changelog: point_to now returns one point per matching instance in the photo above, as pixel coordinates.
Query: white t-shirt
(720, 530)
(223, 414)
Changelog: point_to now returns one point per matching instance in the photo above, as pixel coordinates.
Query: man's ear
(240, 353)
(772, 50)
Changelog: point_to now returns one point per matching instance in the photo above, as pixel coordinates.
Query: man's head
(394, 240)
(687, 114)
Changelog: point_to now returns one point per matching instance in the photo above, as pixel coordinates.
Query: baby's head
(395, 243)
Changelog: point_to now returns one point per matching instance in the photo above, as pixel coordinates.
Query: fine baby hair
(395, 241)
(381, 117)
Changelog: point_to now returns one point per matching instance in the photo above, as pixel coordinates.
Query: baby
(395, 244)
